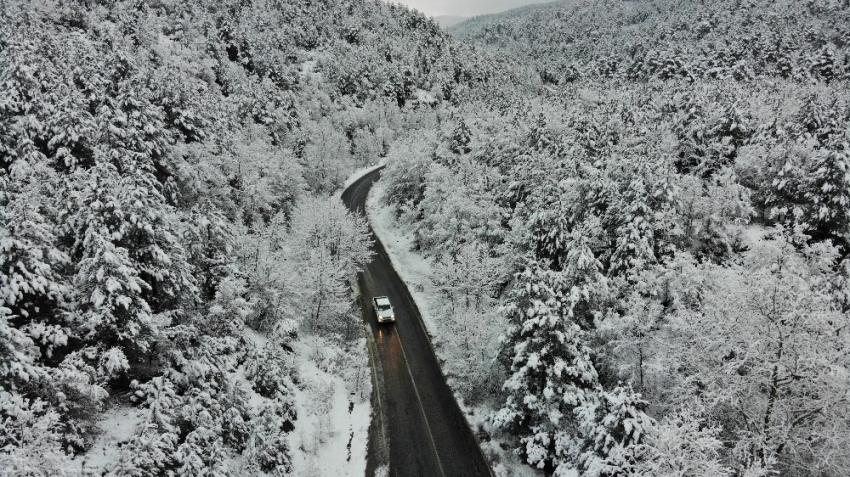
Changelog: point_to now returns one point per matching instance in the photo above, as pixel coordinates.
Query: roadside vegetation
(636, 214)
(660, 237)
(171, 259)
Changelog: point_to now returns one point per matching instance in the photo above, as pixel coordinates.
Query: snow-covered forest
(171, 259)
(655, 239)
(637, 216)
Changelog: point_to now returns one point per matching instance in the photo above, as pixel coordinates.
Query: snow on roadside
(332, 404)
(416, 271)
(332, 400)
(355, 176)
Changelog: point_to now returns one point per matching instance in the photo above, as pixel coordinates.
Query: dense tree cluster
(672, 248)
(728, 40)
(164, 171)
(637, 211)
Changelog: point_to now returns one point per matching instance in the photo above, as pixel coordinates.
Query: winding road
(417, 426)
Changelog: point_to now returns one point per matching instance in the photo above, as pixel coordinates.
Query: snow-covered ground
(334, 412)
(331, 398)
(416, 271)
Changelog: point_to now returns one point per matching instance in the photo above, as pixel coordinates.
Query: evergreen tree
(635, 247)
(31, 435)
(267, 446)
(828, 191)
(461, 137)
(615, 430)
(551, 372)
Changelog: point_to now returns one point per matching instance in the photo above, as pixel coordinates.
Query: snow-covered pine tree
(811, 185)
(269, 369)
(210, 243)
(110, 291)
(33, 281)
(31, 436)
(460, 139)
(588, 287)
(828, 191)
(824, 63)
(33, 286)
(202, 454)
(151, 451)
(551, 372)
(730, 129)
(665, 200)
(148, 454)
(614, 427)
(635, 248)
(784, 198)
(131, 270)
(554, 208)
(229, 309)
(267, 448)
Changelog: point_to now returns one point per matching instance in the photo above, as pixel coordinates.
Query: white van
(383, 310)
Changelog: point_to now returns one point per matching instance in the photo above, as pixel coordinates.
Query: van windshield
(384, 306)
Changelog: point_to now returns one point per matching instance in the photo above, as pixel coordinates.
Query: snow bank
(334, 410)
(357, 175)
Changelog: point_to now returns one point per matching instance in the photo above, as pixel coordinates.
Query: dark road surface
(417, 424)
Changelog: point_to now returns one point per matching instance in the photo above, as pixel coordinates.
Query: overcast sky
(465, 8)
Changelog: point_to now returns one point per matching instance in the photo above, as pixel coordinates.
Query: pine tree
(229, 310)
(31, 435)
(268, 369)
(460, 139)
(148, 454)
(18, 355)
(551, 372)
(635, 247)
(267, 446)
(151, 451)
(615, 430)
(828, 191)
(131, 269)
(825, 64)
(34, 285)
(588, 287)
(202, 454)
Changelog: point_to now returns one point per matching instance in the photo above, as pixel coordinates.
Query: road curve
(417, 426)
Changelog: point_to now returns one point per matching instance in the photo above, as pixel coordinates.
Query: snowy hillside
(660, 237)
(727, 39)
(631, 220)
(174, 296)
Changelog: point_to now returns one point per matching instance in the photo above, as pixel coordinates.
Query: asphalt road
(418, 426)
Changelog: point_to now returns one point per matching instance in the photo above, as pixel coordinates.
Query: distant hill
(448, 21)
(145, 147)
(670, 39)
